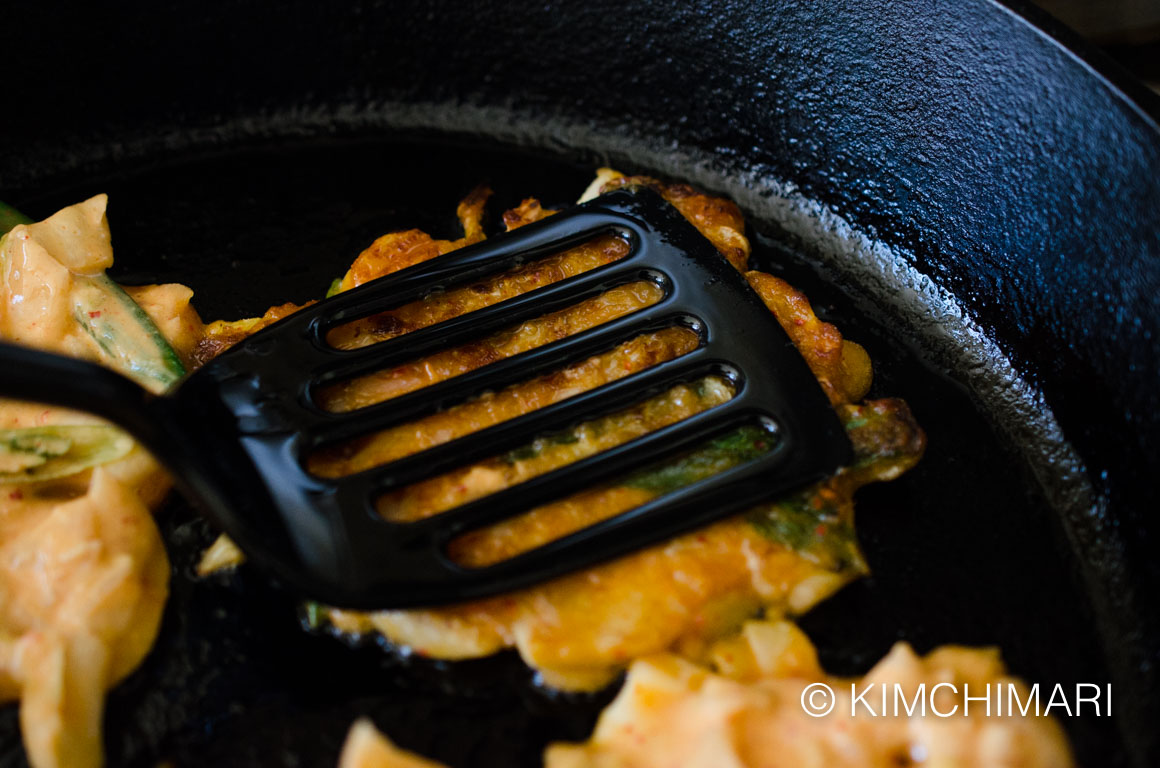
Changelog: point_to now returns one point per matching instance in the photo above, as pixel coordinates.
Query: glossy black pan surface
(965, 162)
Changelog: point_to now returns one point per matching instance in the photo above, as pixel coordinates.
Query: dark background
(1127, 30)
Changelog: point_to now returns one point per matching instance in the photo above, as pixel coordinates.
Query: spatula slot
(462, 283)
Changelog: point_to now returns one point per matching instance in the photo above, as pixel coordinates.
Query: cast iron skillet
(968, 197)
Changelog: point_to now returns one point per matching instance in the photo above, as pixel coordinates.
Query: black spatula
(237, 432)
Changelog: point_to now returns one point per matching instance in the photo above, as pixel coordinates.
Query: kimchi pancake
(580, 630)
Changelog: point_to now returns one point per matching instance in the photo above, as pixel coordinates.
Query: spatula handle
(45, 377)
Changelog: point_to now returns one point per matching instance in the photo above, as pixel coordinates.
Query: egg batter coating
(83, 572)
(82, 584)
(744, 710)
(673, 712)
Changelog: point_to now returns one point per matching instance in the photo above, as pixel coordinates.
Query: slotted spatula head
(237, 433)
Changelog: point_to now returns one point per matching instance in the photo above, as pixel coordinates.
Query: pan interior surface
(964, 549)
